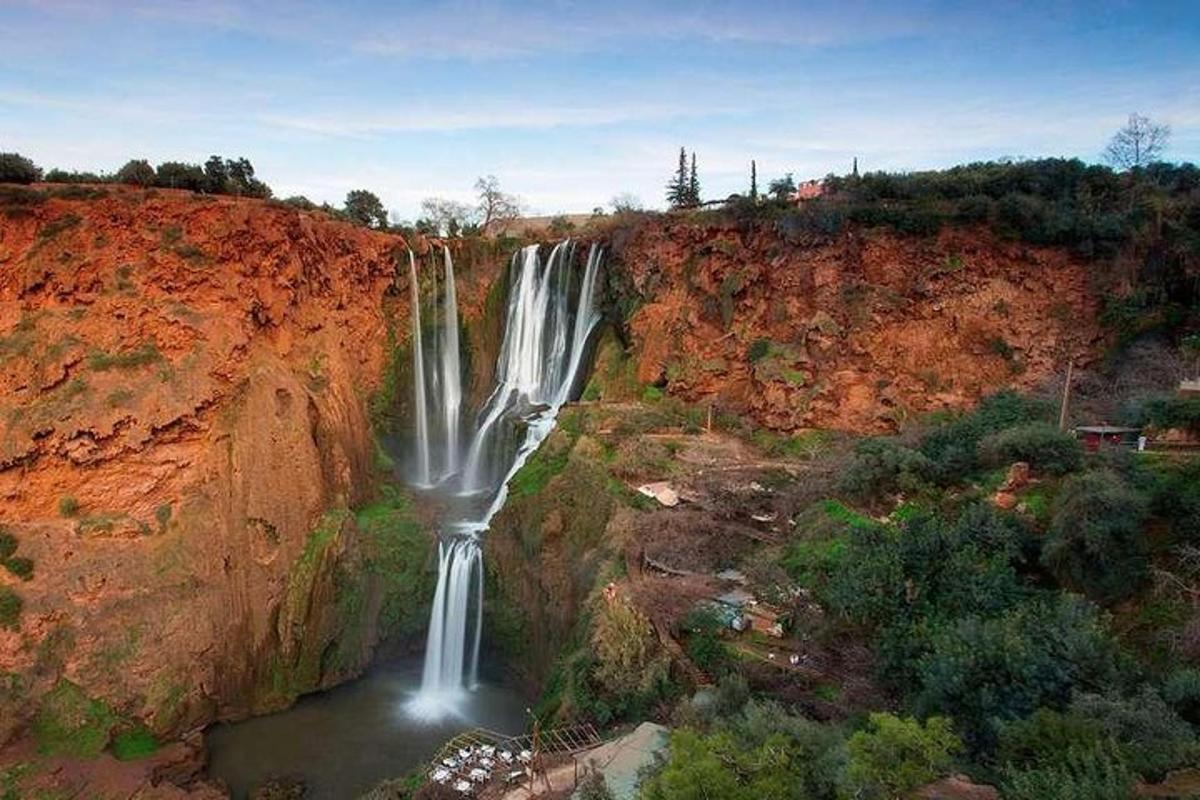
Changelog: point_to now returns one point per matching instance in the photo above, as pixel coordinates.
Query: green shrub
(1182, 690)
(162, 514)
(1151, 737)
(652, 394)
(884, 466)
(10, 609)
(19, 566)
(893, 756)
(8, 543)
(765, 754)
(758, 350)
(1043, 446)
(1094, 772)
(983, 671)
(1095, 541)
(68, 506)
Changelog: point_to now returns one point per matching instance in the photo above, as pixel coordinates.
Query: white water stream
(550, 315)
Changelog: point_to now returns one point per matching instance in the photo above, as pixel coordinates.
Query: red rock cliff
(854, 332)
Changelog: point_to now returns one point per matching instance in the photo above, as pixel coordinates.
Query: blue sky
(570, 103)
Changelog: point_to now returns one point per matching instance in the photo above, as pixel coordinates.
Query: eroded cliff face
(855, 331)
(184, 393)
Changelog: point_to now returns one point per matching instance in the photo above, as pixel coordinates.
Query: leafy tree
(1095, 539)
(16, 168)
(177, 175)
(57, 175)
(495, 209)
(883, 465)
(1042, 445)
(1139, 143)
(679, 189)
(770, 755)
(137, 172)
(893, 756)
(216, 175)
(983, 671)
(365, 208)
(782, 188)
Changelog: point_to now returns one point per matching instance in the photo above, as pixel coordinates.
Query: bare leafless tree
(448, 216)
(1139, 143)
(496, 208)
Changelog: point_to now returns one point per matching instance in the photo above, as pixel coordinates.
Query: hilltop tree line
(235, 176)
(217, 175)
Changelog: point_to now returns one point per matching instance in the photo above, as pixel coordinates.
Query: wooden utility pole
(1066, 397)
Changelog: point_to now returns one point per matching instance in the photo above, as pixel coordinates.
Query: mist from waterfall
(550, 316)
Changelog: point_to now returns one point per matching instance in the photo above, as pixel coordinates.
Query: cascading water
(451, 367)
(420, 415)
(545, 337)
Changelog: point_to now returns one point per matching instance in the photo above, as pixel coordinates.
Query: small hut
(1094, 436)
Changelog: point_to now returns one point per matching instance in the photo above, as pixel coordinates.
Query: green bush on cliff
(69, 723)
(10, 608)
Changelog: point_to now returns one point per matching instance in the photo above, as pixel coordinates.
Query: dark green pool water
(344, 741)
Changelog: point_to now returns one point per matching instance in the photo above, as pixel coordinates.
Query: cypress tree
(753, 180)
(678, 189)
(693, 186)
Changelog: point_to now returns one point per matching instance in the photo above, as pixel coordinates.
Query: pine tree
(693, 193)
(678, 189)
(753, 181)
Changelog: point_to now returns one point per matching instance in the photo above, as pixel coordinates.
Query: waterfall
(451, 367)
(545, 338)
(422, 475)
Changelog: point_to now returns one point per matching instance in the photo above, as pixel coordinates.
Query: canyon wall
(186, 389)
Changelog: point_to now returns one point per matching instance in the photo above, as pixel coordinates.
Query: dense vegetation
(1052, 650)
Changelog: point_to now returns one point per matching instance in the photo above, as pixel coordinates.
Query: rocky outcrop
(855, 331)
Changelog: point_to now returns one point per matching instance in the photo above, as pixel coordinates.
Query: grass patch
(56, 226)
(537, 472)
(134, 743)
(70, 723)
(130, 359)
